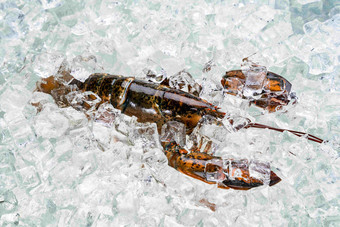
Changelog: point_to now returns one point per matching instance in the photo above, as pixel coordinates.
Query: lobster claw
(240, 174)
(275, 92)
(226, 173)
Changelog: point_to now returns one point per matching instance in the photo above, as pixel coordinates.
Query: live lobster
(158, 103)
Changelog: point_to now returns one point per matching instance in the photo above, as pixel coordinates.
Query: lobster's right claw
(275, 92)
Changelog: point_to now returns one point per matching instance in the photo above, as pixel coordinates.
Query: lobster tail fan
(299, 134)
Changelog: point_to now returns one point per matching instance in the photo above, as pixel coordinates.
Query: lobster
(161, 104)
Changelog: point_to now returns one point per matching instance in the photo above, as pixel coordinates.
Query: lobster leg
(240, 175)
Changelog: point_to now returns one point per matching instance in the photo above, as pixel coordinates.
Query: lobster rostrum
(158, 103)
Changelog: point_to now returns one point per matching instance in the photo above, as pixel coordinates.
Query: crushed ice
(57, 167)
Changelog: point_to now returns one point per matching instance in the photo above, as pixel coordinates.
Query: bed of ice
(59, 168)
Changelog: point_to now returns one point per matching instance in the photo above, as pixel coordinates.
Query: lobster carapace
(152, 102)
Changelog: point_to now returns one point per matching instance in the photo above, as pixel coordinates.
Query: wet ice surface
(59, 168)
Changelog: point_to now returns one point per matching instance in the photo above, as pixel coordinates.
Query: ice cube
(77, 119)
(124, 123)
(127, 203)
(50, 123)
(172, 65)
(63, 150)
(28, 178)
(7, 180)
(83, 216)
(60, 94)
(101, 133)
(106, 114)
(82, 138)
(87, 101)
(20, 129)
(320, 63)
(211, 88)
(213, 176)
(39, 99)
(63, 175)
(88, 185)
(8, 202)
(47, 64)
(235, 122)
(213, 128)
(234, 168)
(50, 4)
(14, 99)
(86, 163)
(173, 131)
(25, 157)
(12, 218)
(145, 134)
(208, 135)
(153, 76)
(258, 20)
(184, 81)
(255, 78)
(83, 66)
(189, 218)
(5, 136)
(260, 170)
(155, 160)
(154, 72)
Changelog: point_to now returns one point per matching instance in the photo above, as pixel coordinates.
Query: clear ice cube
(255, 78)
(28, 177)
(145, 134)
(82, 138)
(106, 114)
(320, 63)
(87, 101)
(208, 135)
(213, 176)
(184, 81)
(83, 66)
(47, 64)
(50, 122)
(153, 71)
(235, 122)
(50, 4)
(260, 170)
(8, 202)
(173, 131)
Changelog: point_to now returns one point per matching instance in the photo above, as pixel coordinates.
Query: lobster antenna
(299, 134)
